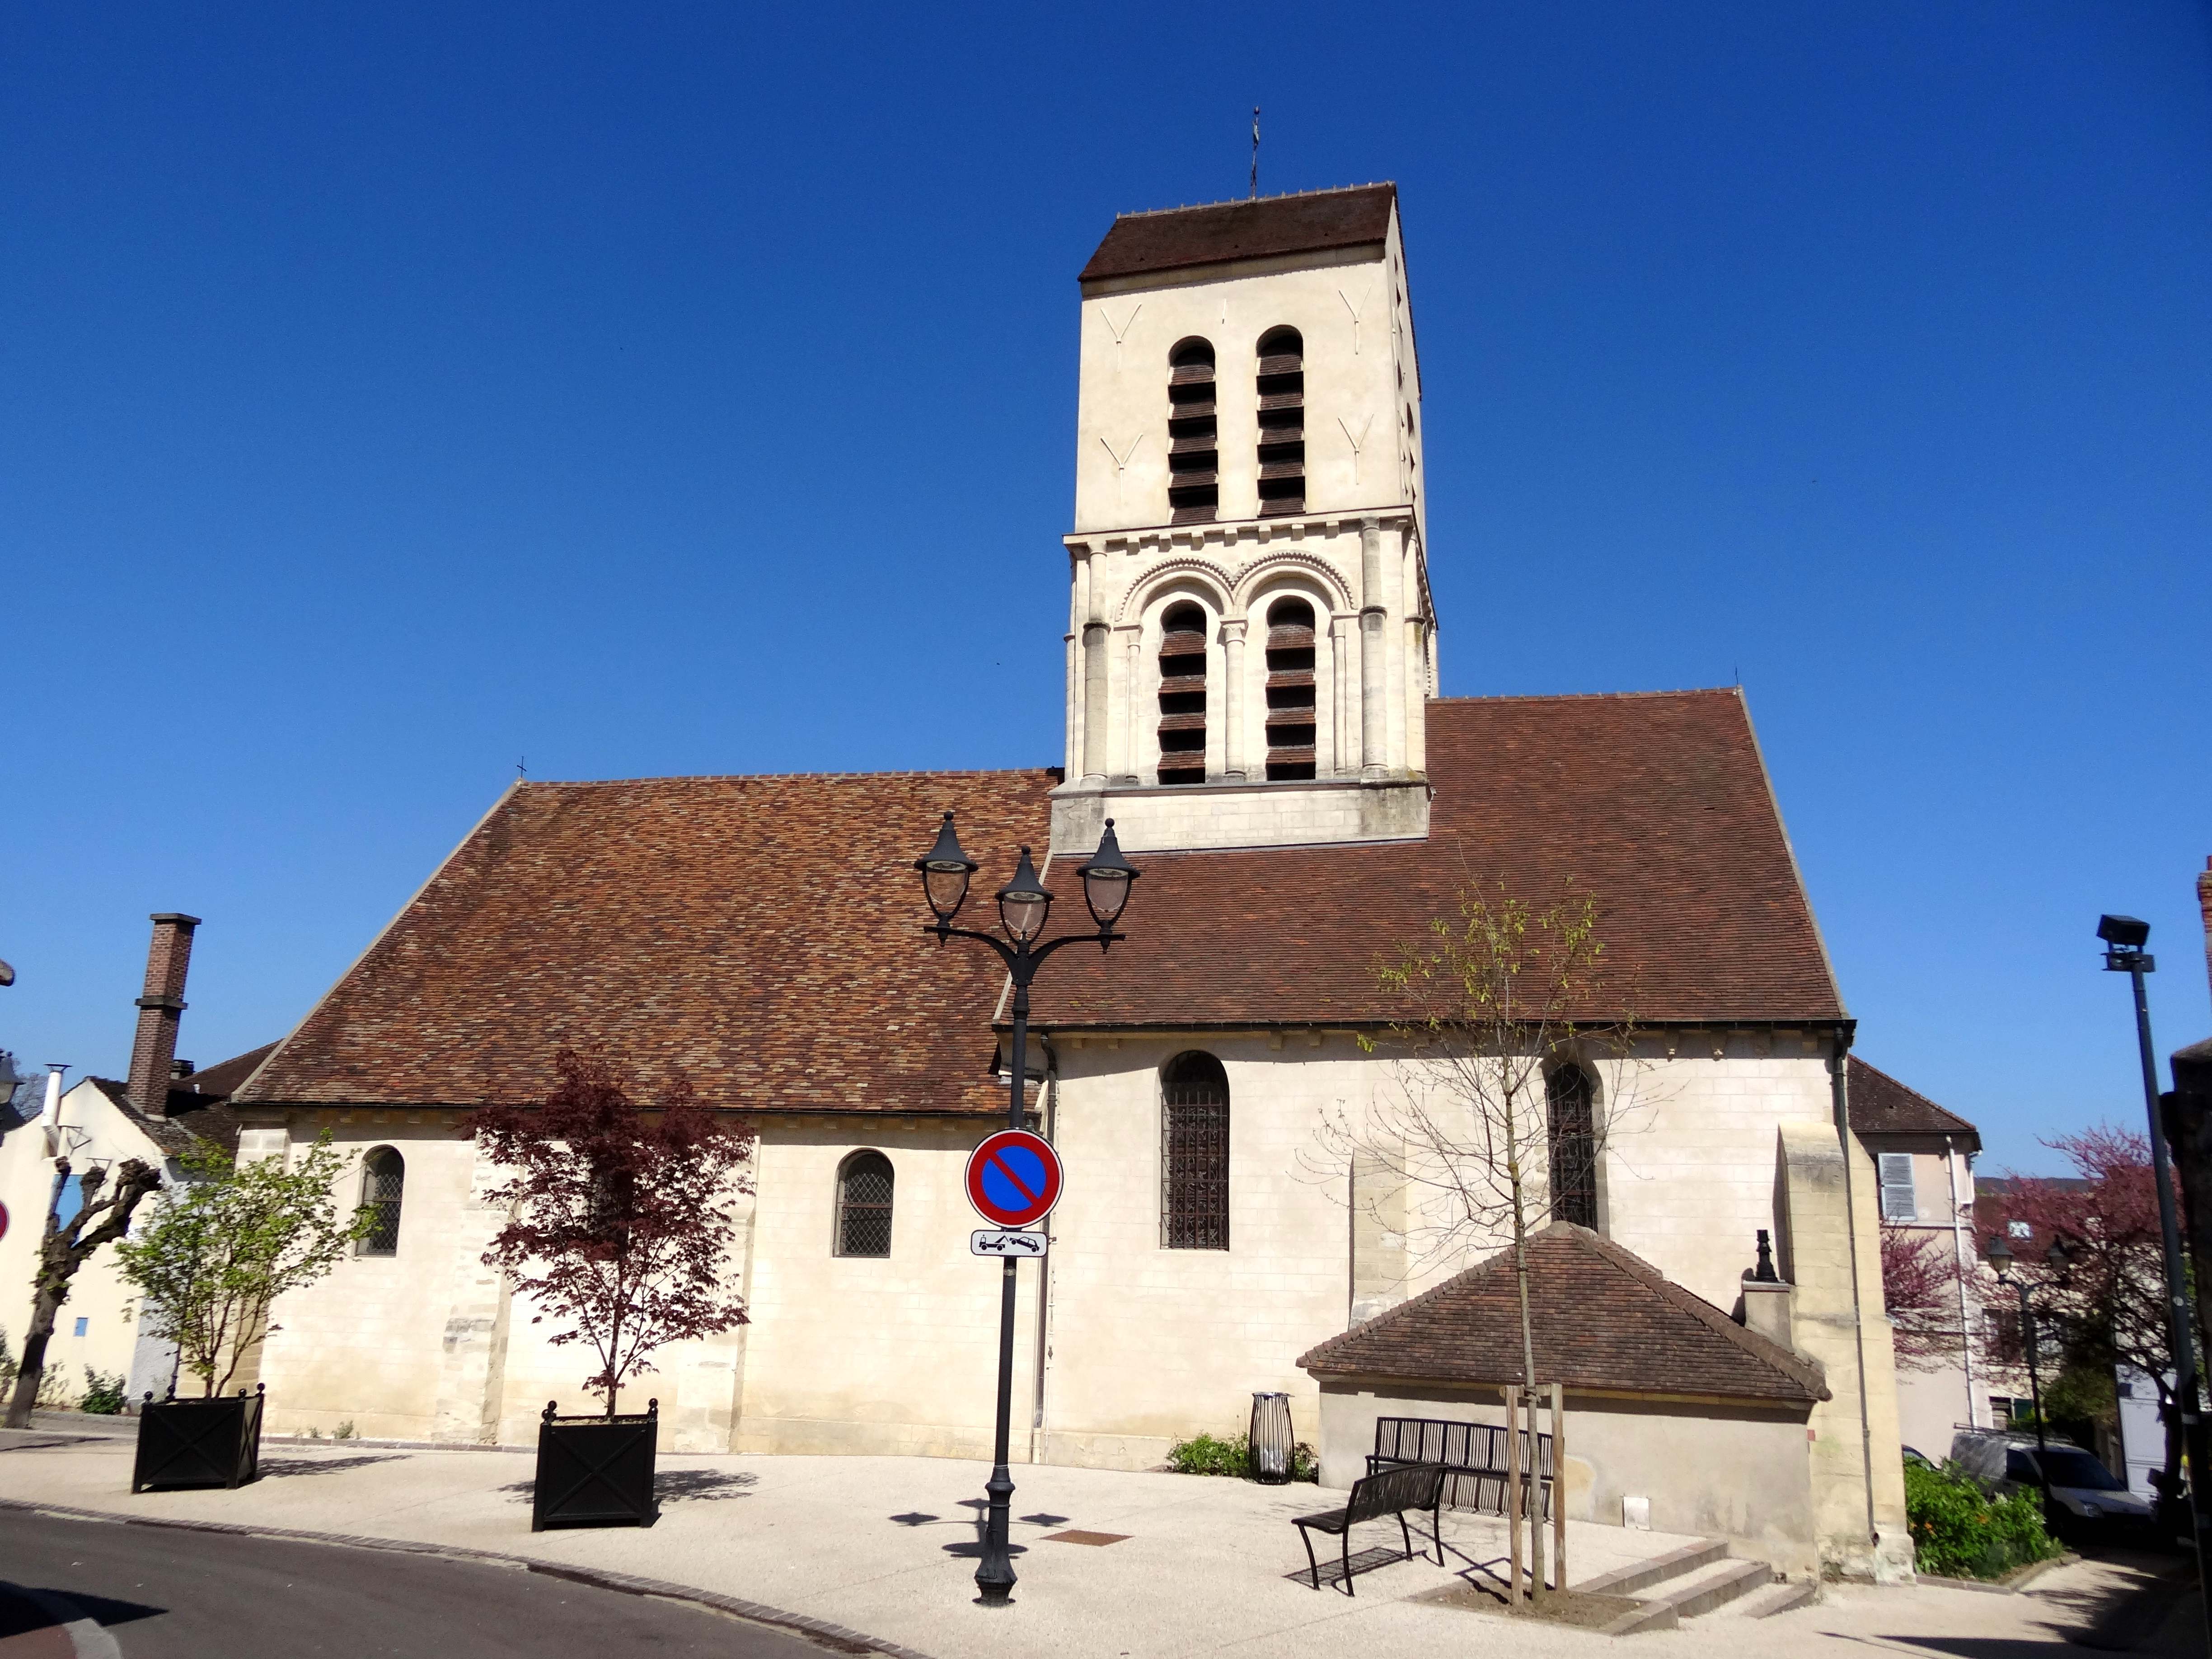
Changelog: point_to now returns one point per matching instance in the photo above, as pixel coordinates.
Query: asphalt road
(167, 1594)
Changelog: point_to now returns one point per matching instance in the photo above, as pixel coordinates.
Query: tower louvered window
(1182, 694)
(1282, 423)
(1289, 690)
(1194, 448)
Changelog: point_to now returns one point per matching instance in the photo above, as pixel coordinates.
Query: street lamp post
(1024, 905)
(2124, 938)
(2058, 1257)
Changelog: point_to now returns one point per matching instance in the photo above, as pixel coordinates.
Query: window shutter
(1897, 1200)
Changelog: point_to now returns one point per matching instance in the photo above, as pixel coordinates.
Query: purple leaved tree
(622, 1215)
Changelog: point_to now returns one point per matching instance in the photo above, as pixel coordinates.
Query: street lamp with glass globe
(1024, 908)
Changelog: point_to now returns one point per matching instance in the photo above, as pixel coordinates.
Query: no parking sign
(1014, 1178)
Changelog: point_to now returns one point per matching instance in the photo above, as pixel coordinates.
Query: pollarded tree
(622, 1216)
(103, 1217)
(225, 1243)
(1495, 1120)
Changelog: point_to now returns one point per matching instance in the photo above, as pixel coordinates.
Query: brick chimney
(159, 1011)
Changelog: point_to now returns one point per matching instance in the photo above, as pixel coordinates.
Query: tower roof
(1309, 221)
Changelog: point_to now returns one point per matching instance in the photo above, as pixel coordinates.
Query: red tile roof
(1657, 805)
(762, 933)
(1880, 1105)
(1602, 1318)
(1307, 222)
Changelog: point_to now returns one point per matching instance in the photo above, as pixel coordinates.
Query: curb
(818, 1630)
(2020, 1579)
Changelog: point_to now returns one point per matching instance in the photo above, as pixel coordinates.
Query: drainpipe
(1051, 1104)
(1839, 1087)
(1958, 1255)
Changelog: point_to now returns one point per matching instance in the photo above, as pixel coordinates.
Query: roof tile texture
(1881, 1105)
(1602, 1318)
(1656, 804)
(762, 935)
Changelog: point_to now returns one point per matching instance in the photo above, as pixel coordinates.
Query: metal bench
(1393, 1492)
(1473, 1456)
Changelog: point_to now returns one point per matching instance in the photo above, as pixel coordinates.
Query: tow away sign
(1006, 1243)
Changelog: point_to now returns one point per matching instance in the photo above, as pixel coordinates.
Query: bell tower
(1251, 642)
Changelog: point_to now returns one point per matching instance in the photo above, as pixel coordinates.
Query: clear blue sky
(391, 393)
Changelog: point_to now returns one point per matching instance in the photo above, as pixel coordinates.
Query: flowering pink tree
(622, 1215)
(2109, 1304)
(1920, 1289)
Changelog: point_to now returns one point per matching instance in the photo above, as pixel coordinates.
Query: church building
(1252, 696)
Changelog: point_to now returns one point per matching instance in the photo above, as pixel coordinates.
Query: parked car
(2086, 1500)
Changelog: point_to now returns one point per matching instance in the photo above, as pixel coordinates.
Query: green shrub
(103, 1395)
(1203, 1454)
(1959, 1531)
(1206, 1454)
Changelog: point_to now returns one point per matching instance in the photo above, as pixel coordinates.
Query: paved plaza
(885, 1547)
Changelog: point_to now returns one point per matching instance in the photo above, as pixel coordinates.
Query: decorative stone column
(1232, 699)
(1374, 716)
(1095, 721)
(1343, 759)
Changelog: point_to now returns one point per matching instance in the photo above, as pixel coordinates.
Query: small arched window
(1183, 694)
(1194, 448)
(1194, 1154)
(1289, 690)
(1282, 423)
(383, 1182)
(864, 1204)
(1573, 1124)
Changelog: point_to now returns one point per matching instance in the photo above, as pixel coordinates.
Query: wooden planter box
(596, 1471)
(199, 1443)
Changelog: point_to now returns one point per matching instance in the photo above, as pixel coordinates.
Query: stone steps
(1692, 1581)
(1778, 1597)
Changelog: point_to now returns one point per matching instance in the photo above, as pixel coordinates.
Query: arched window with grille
(1573, 1125)
(1194, 448)
(1183, 694)
(864, 1204)
(1194, 1154)
(1289, 690)
(1282, 390)
(383, 1184)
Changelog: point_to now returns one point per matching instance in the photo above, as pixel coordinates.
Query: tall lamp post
(2057, 1258)
(2124, 938)
(1024, 905)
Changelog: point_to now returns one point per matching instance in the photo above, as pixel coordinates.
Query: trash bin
(1269, 1442)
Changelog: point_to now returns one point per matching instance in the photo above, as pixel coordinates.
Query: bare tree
(1512, 1071)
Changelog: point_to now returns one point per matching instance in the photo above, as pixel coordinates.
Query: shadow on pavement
(282, 1469)
(708, 1485)
(669, 1486)
(20, 1613)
